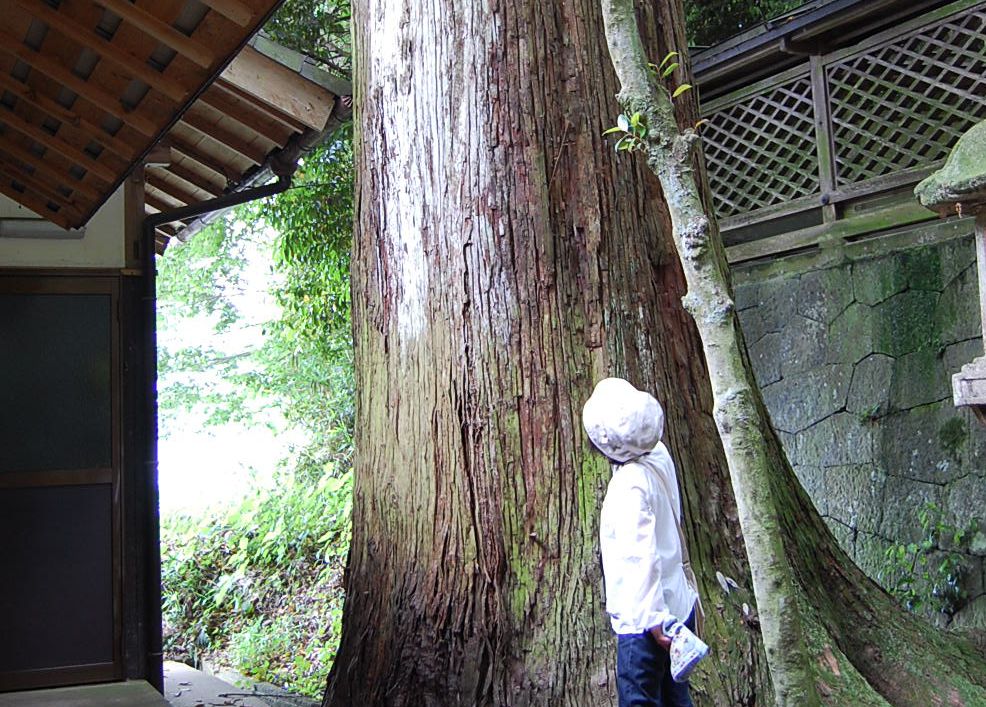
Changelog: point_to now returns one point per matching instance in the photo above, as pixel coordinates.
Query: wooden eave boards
(89, 87)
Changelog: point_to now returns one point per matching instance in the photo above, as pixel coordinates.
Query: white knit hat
(621, 421)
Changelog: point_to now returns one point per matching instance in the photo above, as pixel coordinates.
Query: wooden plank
(271, 112)
(276, 85)
(39, 207)
(161, 31)
(58, 144)
(768, 213)
(232, 10)
(883, 219)
(44, 168)
(244, 112)
(132, 65)
(58, 112)
(172, 190)
(12, 171)
(195, 179)
(95, 95)
(199, 156)
(224, 137)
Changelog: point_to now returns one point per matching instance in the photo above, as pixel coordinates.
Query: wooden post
(823, 137)
(981, 263)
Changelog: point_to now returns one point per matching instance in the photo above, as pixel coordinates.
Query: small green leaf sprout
(634, 129)
(664, 70)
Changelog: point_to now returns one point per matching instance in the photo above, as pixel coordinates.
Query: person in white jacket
(646, 584)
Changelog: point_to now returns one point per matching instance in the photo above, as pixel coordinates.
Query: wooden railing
(869, 119)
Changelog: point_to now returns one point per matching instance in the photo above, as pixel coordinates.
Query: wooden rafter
(196, 155)
(131, 65)
(172, 190)
(161, 31)
(225, 137)
(94, 94)
(85, 105)
(195, 179)
(55, 110)
(12, 171)
(275, 84)
(39, 206)
(59, 145)
(160, 205)
(43, 167)
(246, 114)
(232, 10)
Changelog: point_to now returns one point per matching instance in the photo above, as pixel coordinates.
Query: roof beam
(161, 206)
(244, 114)
(278, 86)
(55, 110)
(39, 206)
(14, 172)
(42, 167)
(161, 31)
(195, 179)
(224, 137)
(59, 145)
(95, 95)
(196, 155)
(172, 190)
(232, 10)
(132, 65)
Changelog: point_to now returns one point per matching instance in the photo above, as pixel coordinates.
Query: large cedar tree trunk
(831, 635)
(504, 260)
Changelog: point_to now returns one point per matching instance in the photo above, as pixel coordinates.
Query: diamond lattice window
(904, 104)
(761, 150)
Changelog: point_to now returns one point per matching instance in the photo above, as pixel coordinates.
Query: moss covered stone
(869, 394)
(824, 294)
(957, 313)
(851, 334)
(906, 322)
(922, 268)
(919, 379)
(873, 281)
(963, 178)
(797, 402)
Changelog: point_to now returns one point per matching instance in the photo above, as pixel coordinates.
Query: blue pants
(643, 673)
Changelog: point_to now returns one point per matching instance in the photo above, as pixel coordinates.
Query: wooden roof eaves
(773, 45)
(340, 115)
(221, 66)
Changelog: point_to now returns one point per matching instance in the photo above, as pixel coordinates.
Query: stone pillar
(960, 188)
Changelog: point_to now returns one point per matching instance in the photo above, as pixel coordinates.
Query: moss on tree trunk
(503, 262)
(830, 634)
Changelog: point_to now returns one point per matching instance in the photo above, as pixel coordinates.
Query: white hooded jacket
(638, 534)
(639, 539)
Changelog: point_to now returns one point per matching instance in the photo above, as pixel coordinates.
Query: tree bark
(503, 262)
(803, 582)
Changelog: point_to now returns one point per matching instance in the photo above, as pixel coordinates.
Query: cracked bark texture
(830, 634)
(504, 260)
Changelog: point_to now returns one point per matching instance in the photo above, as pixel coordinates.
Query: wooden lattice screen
(905, 102)
(876, 114)
(761, 147)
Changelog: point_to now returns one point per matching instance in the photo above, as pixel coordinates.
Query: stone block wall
(854, 355)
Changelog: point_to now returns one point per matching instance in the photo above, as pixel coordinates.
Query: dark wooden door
(59, 481)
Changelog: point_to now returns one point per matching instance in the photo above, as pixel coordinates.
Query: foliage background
(258, 585)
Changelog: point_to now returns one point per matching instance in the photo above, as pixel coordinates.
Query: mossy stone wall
(854, 355)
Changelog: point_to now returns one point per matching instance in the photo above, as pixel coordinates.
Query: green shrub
(259, 586)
